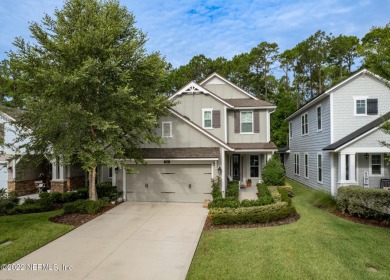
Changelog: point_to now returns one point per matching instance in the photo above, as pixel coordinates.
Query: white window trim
(258, 166)
(354, 105)
(241, 122)
(370, 166)
(290, 131)
(211, 117)
(322, 168)
(296, 155)
(163, 130)
(319, 106)
(112, 170)
(307, 132)
(304, 165)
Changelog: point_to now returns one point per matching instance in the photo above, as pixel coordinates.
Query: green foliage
(106, 190)
(69, 197)
(56, 197)
(284, 195)
(216, 188)
(364, 202)
(323, 200)
(262, 190)
(6, 206)
(224, 202)
(84, 206)
(83, 193)
(273, 173)
(275, 194)
(265, 200)
(288, 188)
(232, 190)
(251, 215)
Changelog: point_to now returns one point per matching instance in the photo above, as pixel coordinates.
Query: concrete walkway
(248, 193)
(132, 241)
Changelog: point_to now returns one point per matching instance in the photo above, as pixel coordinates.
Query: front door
(236, 167)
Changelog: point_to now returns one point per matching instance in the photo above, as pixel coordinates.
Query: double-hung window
(319, 118)
(296, 164)
(305, 124)
(360, 107)
(376, 164)
(319, 168)
(166, 129)
(246, 122)
(207, 118)
(365, 106)
(254, 165)
(306, 165)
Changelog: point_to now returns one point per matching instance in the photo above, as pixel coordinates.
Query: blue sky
(181, 29)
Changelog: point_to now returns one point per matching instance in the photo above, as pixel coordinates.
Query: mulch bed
(77, 220)
(355, 219)
(290, 220)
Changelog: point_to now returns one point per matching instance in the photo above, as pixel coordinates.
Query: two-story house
(334, 138)
(215, 129)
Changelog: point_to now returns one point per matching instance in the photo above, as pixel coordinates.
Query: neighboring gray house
(334, 139)
(216, 128)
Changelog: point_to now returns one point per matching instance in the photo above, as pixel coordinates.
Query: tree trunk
(92, 185)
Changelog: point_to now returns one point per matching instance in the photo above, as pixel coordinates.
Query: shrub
(224, 202)
(284, 195)
(323, 200)
(216, 188)
(275, 193)
(13, 196)
(251, 215)
(6, 206)
(364, 202)
(84, 206)
(288, 189)
(273, 173)
(105, 190)
(27, 208)
(83, 193)
(29, 200)
(56, 197)
(262, 190)
(70, 196)
(44, 195)
(259, 202)
(232, 190)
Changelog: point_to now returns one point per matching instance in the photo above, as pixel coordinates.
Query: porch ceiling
(254, 146)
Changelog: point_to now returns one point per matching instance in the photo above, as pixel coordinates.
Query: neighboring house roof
(11, 113)
(253, 146)
(247, 102)
(285, 149)
(364, 129)
(193, 87)
(200, 129)
(330, 90)
(176, 153)
(216, 75)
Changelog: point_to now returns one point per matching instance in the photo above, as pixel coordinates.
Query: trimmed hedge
(251, 215)
(224, 202)
(84, 206)
(273, 173)
(232, 190)
(266, 200)
(106, 190)
(364, 202)
(262, 190)
(275, 193)
(216, 188)
(288, 189)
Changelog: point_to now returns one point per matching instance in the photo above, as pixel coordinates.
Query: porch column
(113, 176)
(342, 168)
(58, 182)
(124, 188)
(223, 173)
(352, 167)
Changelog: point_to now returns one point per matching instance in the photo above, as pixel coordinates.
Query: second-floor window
(207, 118)
(246, 122)
(290, 130)
(305, 124)
(319, 118)
(360, 107)
(166, 129)
(366, 106)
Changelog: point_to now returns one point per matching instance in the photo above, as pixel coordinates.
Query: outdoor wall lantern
(219, 170)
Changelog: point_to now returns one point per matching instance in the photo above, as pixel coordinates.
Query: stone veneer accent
(58, 186)
(22, 187)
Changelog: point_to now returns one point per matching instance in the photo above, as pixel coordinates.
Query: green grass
(318, 246)
(27, 232)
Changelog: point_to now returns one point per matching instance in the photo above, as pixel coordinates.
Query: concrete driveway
(135, 240)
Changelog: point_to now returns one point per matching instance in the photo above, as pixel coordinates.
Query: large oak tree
(90, 90)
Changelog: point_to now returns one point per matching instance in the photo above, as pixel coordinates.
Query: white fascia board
(215, 139)
(156, 160)
(228, 82)
(7, 116)
(252, 108)
(255, 151)
(201, 89)
(329, 91)
(356, 139)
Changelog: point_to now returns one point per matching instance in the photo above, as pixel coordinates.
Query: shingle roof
(284, 149)
(247, 102)
(375, 123)
(253, 146)
(156, 153)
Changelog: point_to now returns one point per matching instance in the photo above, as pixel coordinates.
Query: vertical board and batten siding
(191, 105)
(183, 136)
(260, 133)
(345, 122)
(311, 144)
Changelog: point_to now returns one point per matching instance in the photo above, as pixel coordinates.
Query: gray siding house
(215, 129)
(334, 139)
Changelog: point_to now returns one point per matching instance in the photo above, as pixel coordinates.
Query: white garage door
(3, 176)
(160, 182)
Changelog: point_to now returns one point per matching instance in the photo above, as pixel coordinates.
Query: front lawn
(318, 246)
(27, 232)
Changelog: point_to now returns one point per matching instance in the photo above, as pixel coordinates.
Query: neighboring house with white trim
(215, 129)
(334, 139)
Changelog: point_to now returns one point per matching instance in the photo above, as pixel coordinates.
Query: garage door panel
(182, 183)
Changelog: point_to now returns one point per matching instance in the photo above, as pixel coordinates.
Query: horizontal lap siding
(312, 143)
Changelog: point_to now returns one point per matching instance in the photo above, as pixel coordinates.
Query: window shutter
(256, 121)
(2, 133)
(216, 118)
(372, 106)
(236, 121)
